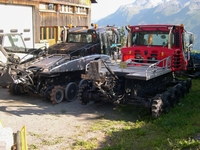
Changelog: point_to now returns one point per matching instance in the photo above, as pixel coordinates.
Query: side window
(94, 37)
(1, 40)
(14, 43)
(18, 41)
(7, 42)
(139, 38)
(89, 38)
(84, 38)
(146, 39)
(70, 38)
(142, 39)
(134, 39)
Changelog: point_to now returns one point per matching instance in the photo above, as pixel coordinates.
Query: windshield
(1, 39)
(79, 38)
(155, 38)
(13, 42)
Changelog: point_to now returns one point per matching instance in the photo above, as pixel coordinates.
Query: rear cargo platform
(141, 71)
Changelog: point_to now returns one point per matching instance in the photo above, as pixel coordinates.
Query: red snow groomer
(151, 43)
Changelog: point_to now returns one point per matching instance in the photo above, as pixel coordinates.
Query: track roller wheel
(184, 88)
(166, 102)
(156, 107)
(174, 96)
(47, 93)
(82, 94)
(83, 81)
(189, 84)
(15, 89)
(11, 88)
(57, 94)
(180, 89)
(71, 91)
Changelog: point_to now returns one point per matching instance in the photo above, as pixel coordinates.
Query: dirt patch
(49, 126)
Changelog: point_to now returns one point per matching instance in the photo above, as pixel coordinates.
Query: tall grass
(176, 130)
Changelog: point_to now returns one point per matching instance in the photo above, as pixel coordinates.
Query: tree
(122, 36)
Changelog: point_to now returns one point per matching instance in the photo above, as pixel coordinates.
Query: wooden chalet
(42, 20)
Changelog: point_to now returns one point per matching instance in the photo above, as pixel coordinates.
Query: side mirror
(191, 39)
(129, 36)
(170, 40)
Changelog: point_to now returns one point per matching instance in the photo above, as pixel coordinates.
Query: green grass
(63, 111)
(87, 144)
(174, 131)
(35, 134)
(52, 141)
(33, 147)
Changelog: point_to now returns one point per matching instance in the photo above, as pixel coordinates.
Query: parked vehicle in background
(96, 40)
(193, 68)
(12, 46)
(13, 43)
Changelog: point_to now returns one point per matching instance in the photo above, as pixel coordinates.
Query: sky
(106, 7)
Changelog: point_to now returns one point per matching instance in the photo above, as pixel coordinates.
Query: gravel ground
(52, 127)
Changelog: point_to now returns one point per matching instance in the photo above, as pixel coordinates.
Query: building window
(47, 7)
(50, 6)
(51, 33)
(42, 6)
(78, 10)
(41, 32)
(62, 8)
(70, 9)
(47, 33)
(44, 33)
(81, 10)
(67, 9)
